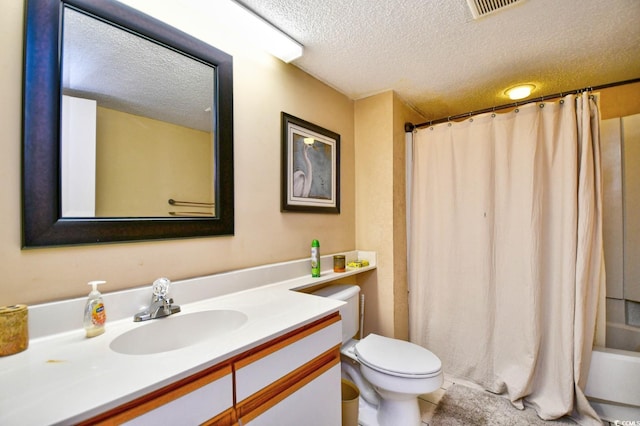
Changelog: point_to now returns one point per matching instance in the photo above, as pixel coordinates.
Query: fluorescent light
(519, 92)
(259, 30)
(221, 18)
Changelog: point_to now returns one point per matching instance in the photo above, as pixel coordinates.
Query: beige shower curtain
(505, 259)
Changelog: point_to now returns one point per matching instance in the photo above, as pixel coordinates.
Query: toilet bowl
(390, 373)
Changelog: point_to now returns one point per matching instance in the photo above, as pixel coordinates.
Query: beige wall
(380, 218)
(619, 101)
(263, 87)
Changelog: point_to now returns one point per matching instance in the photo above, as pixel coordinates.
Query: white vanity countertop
(65, 377)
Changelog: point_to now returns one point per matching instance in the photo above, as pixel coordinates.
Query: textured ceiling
(435, 55)
(443, 62)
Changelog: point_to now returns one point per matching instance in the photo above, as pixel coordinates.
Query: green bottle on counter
(315, 258)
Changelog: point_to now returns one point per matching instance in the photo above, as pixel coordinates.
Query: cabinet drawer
(315, 404)
(196, 407)
(193, 400)
(270, 364)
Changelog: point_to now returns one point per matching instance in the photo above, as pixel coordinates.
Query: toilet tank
(349, 312)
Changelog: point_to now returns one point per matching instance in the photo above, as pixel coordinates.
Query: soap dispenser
(94, 313)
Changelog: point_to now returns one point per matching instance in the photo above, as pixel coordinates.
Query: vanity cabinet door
(203, 398)
(293, 380)
(317, 403)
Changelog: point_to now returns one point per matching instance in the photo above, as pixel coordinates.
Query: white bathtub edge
(613, 385)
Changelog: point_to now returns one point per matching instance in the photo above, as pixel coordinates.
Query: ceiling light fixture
(226, 18)
(261, 31)
(520, 92)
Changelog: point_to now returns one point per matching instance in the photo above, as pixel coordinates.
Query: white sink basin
(177, 331)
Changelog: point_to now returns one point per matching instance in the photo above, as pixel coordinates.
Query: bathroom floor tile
(427, 409)
(433, 397)
(429, 401)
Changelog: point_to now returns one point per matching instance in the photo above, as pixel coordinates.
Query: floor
(429, 402)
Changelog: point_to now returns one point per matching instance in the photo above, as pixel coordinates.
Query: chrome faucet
(161, 305)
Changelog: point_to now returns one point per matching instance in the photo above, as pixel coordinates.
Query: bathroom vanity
(287, 377)
(276, 357)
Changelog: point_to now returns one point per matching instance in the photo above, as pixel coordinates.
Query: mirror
(136, 125)
(128, 128)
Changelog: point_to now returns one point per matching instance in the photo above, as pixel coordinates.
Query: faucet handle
(161, 287)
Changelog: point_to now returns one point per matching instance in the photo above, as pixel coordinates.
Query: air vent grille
(480, 8)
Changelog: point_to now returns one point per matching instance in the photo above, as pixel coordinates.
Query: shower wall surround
(620, 138)
(621, 185)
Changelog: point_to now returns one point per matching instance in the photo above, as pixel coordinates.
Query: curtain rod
(410, 127)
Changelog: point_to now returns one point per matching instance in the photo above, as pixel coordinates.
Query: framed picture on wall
(310, 167)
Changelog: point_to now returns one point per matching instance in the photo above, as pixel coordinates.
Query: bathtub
(613, 385)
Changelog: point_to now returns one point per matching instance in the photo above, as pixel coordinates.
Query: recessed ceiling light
(519, 92)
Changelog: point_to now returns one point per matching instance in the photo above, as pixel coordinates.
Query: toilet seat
(397, 357)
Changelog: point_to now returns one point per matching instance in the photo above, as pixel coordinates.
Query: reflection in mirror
(136, 124)
(122, 113)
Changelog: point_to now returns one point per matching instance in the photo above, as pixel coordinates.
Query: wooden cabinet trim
(155, 399)
(263, 400)
(226, 418)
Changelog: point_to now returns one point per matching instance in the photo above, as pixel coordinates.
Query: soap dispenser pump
(94, 313)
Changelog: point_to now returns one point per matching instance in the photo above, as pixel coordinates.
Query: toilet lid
(397, 357)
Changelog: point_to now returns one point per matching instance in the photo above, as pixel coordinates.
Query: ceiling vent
(480, 8)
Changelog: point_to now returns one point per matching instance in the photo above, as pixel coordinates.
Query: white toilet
(390, 373)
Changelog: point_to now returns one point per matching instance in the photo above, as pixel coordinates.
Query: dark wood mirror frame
(41, 205)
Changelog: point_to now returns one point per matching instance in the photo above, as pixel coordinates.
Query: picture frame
(310, 167)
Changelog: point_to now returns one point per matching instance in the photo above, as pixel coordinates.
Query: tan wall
(619, 101)
(129, 178)
(401, 115)
(380, 217)
(263, 87)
